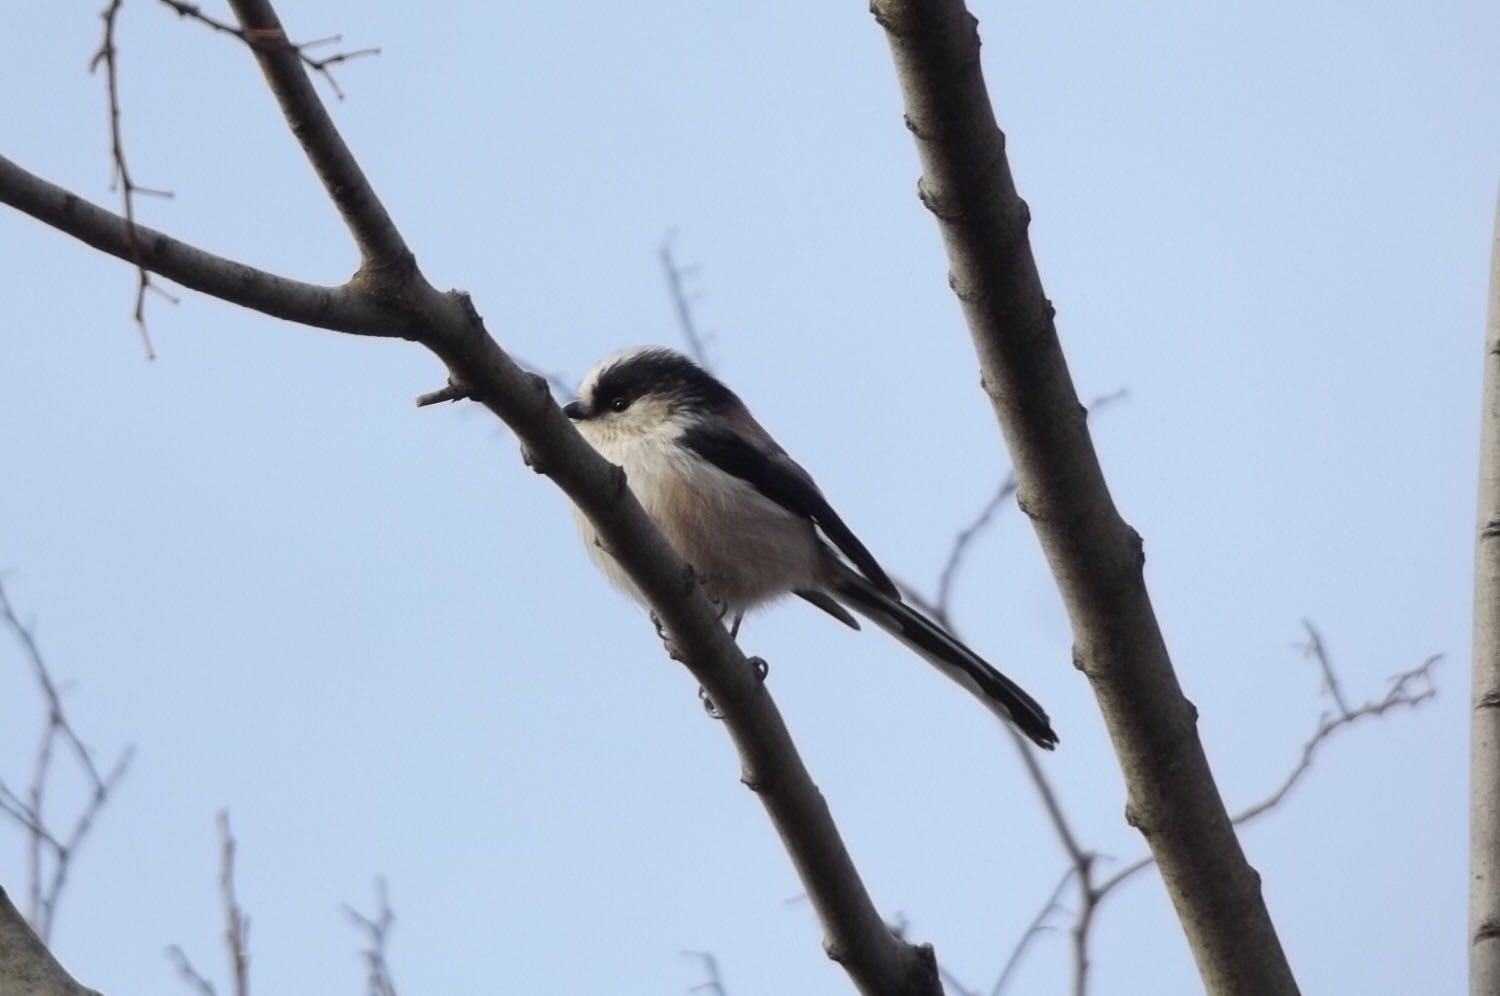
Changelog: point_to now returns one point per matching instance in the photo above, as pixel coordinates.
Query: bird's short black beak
(573, 410)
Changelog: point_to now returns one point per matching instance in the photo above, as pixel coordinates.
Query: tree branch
(389, 296)
(1039, 925)
(1408, 690)
(107, 57)
(1096, 558)
(336, 308)
(236, 924)
(682, 305)
(50, 852)
(377, 931)
(323, 66)
(387, 262)
(1484, 741)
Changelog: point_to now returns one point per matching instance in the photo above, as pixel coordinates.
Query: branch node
(945, 209)
(1027, 508)
(1078, 662)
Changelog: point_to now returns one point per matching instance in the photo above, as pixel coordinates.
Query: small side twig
(682, 303)
(236, 928)
(449, 392)
(940, 605)
(714, 984)
(322, 66)
(189, 974)
(1040, 925)
(377, 931)
(107, 56)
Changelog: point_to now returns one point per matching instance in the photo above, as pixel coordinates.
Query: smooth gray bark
(1484, 745)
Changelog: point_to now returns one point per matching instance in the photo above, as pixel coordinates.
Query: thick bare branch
(1484, 743)
(387, 262)
(1407, 690)
(1096, 558)
(337, 308)
(942, 604)
(389, 296)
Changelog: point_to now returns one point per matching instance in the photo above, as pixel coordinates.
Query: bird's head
(646, 390)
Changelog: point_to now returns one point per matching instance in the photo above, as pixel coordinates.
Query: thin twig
(1039, 926)
(942, 605)
(1399, 695)
(236, 924)
(107, 56)
(377, 931)
(682, 302)
(321, 66)
(50, 852)
(1315, 649)
(190, 975)
(389, 294)
(714, 984)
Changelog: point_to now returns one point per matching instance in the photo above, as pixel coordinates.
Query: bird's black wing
(778, 477)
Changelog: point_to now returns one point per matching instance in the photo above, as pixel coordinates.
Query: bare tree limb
(389, 296)
(323, 66)
(50, 852)
(337, 308)
(387, 262)
(1484, 742)
(942, 605)
(1095, 556)
(1408, 690)
(377, 931)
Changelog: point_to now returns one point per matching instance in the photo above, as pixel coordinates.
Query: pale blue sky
(372, 634)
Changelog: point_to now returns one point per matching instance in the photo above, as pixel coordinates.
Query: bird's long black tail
(944, 651)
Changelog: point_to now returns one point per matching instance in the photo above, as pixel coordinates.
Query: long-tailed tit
(749, 520)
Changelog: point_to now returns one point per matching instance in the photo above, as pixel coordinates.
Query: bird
(748, 519)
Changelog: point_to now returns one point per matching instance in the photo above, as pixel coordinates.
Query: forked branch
(389, 296)
(1095, 557)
